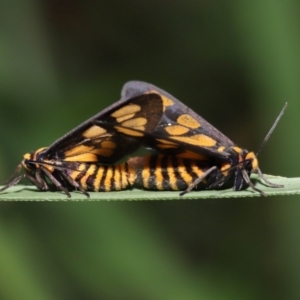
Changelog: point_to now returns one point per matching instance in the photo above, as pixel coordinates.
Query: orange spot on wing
(200, 140)
(188, 121)
(129, 132)
(93, 132)
(81, 149)
(126, 112)
(237, 149)
(102, 152)
(108, 144)
(124, 118)
(221, 149)
(167, 142)
(83, 157)
(166, 101)
(135, 123)
(176, 130)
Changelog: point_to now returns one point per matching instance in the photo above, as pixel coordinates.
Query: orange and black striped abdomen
(93, 177)
(166, 172)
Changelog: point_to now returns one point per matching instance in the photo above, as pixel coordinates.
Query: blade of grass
(30, 193)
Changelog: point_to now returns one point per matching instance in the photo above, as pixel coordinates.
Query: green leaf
(31, 193)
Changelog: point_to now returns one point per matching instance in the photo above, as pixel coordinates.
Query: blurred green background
(235, 63)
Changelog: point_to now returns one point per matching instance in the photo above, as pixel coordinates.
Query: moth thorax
(35, 154)
(250, 156)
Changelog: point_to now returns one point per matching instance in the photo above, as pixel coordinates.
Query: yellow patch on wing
(188, 121)
(103, 152)
(93, 132)
(83, 157)
(176, 129)
(200, 140)
(129, 132)
(83, 153)
(124, 118)
(126, 112)
(237, 149)
(81, 149)
(136, 123)
(166, 101)
(166, 142)
(108, 145)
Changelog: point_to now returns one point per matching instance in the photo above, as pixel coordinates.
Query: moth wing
(180, 130)
(93, 142)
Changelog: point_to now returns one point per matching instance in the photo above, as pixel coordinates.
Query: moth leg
(249, 182)
(56, 182)
(35, 181)
(75, 184)
(13, 182)
(262, 176)
(198, 180)
(39, 180)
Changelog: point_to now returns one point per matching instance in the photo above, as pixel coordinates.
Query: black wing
(92, 142)
(181, 130)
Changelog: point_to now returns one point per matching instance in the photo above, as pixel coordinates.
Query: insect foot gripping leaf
(79, 159)
(184, 133)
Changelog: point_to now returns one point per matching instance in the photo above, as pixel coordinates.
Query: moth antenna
(272, 129)
(16, 171)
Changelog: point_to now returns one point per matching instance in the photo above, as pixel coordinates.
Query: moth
(183, 133)
(83, 157)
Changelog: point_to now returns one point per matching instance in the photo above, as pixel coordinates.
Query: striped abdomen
(165, 172)
(93, 177)
(152, 172)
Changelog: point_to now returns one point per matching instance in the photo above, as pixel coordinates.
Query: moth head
(30, 160)
(251, 162)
